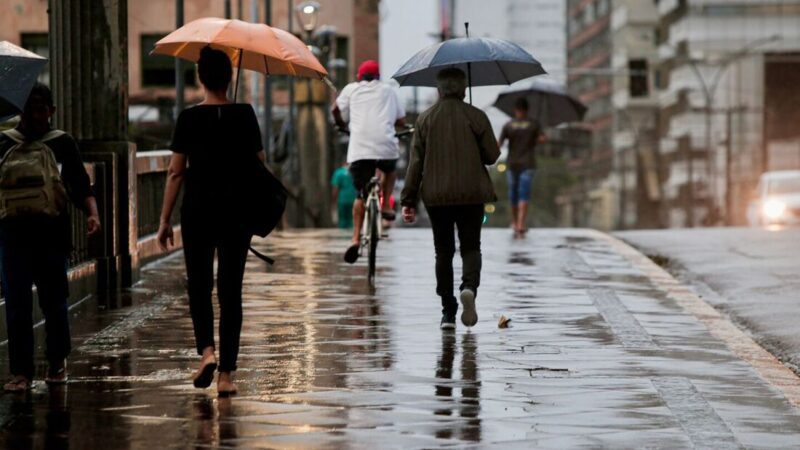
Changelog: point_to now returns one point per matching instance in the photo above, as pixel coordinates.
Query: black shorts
(364, 169)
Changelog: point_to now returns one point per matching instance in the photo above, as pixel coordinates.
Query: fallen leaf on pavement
(503, 322)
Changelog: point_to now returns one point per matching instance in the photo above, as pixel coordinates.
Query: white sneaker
(469, 316)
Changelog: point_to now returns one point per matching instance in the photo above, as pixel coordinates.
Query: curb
(768, 367)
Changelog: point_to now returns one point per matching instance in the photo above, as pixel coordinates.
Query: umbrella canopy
(486, 61)
(19, 69)
(548, 102)
(253, 46)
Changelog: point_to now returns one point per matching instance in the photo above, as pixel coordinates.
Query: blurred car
(777, 200)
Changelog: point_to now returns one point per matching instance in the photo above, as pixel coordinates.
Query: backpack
(30, 179)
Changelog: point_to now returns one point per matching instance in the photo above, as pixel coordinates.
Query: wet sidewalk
(599, 355)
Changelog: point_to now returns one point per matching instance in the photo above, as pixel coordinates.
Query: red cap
(369, 67)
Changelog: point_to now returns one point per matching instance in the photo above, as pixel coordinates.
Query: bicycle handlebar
(406, 132)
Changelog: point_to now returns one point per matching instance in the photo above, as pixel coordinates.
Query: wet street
(601, 353)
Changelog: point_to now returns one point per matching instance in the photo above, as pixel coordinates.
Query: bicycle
(372, 227)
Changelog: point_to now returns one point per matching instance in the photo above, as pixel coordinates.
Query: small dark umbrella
(548, 103)
(486, 61)
(19, 69)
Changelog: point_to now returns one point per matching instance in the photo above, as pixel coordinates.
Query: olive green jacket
(453, 142)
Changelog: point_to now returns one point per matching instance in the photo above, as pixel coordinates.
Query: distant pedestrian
(452, 144)
(372, 110)
(343, 195)
(213, 144)
(36, 235)
(523, 135)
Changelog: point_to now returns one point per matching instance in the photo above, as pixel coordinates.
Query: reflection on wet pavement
(596, 356)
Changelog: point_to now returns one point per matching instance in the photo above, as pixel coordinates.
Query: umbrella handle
(238, 72)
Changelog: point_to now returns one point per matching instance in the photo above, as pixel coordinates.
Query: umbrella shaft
(469, 79)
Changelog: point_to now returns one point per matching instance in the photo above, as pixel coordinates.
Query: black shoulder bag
(264, 205)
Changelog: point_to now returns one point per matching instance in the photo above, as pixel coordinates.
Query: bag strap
(262, 256)
(52, 134)
(19, 138)
(15, 135)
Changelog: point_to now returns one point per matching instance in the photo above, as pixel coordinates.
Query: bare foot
(204, 375)
(225, 386)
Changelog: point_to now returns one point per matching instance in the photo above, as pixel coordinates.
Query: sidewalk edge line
(768, 367)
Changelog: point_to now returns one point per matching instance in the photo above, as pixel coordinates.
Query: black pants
(200, 244)
(26, 259)
(467, 219)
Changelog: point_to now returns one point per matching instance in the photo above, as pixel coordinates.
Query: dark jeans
(25, 261)
(200, 244)
(468, 220)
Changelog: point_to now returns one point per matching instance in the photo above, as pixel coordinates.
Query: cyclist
(373, 110)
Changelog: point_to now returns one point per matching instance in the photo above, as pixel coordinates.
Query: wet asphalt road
(596, 357)
(752, 274)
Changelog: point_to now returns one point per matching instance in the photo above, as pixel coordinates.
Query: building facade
(591, 202)
(151, 79)
(689, 102)
(635, 175)
(728, 75)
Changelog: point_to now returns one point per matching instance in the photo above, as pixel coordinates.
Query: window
(638, 78)
(574, 25)
(37, 43)
(159, 70)
(602, 8)
(588, 14)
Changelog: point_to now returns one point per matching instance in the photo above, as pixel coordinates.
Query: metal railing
(80, 242)
(151, 178)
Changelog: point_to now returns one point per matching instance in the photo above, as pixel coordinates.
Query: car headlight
(774, 209)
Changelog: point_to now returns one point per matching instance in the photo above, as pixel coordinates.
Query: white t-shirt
(372, 108)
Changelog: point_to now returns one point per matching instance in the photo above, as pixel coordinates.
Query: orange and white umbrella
(252, 46)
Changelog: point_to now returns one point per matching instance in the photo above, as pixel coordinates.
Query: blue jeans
(26, 261)
(519, 185)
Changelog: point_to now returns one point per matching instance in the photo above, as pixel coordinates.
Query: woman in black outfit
(212, 145)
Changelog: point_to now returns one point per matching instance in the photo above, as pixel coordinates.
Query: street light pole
(709, 92)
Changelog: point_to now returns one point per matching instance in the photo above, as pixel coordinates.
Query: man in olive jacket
(452, 145)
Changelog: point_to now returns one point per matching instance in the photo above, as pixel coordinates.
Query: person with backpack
(216, 148)
(40, 171)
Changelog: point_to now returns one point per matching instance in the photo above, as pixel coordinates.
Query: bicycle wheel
(374, 217)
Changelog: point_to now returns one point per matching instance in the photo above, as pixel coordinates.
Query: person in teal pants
(344, 194)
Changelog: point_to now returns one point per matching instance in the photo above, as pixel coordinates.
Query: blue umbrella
(548, 102)
(19, 69)
(486, 61)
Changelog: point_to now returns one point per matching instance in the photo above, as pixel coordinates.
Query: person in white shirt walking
(373, 111)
